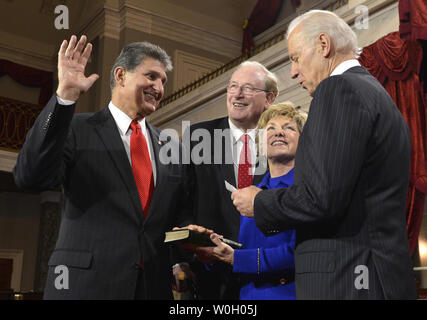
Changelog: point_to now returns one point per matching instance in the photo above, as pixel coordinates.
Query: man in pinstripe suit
(351, 174)
(111, 243)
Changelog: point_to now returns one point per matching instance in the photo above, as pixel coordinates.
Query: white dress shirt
(344, 66)
(237, 146)
(123, 121)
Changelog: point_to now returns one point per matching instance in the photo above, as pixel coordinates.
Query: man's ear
(325, 44)
(270, 96)
(120, 76)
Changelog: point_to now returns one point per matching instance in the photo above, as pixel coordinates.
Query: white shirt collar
(344, 66)
(123, 120)
(237, 133)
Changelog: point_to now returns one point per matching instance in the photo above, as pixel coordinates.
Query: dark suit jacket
(212, 204)
(348, 201)
(212, 201)
(103, 234)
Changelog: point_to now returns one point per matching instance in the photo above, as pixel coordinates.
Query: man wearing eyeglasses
(251, 90)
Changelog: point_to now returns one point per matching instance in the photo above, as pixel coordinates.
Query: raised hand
(72, 60)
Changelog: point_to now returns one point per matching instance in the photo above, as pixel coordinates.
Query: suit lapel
(156, 145)
(161, 170)
(109, 134)
(227, 165)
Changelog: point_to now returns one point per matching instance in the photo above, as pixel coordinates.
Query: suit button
(282, 281)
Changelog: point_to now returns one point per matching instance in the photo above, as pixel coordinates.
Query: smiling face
(140, 91)
(244, 109)
(282, 139)
(308, 63)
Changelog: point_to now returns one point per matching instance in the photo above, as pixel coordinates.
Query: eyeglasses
(246, 89)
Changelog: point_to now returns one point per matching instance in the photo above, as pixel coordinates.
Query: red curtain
(396, 63)
(262, 17)
(29, 77)
(413, 19)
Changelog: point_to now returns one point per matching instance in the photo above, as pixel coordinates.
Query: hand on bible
(222, 252)
(195, 227)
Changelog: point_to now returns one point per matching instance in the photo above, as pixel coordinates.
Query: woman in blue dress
(265, 265)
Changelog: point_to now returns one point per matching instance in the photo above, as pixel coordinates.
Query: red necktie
(141, 166)
(245, 172)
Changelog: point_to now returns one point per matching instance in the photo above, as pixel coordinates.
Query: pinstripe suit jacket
(348, 201)
(103, 234)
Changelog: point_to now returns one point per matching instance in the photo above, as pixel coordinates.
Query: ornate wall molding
(105, 23)
(16, 118)
(281, 26)
(112, 19)
(189, 67)
(48, 6)
(152, 23)
(273, 53)
(27, 52)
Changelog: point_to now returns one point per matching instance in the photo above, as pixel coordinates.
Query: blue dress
(272, 257)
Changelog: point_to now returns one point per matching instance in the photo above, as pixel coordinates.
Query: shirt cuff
(64, 102)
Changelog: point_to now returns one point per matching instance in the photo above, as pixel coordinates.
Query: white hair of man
(271, 82)
(315, 22)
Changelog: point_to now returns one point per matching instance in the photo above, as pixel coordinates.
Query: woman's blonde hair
(286, 109)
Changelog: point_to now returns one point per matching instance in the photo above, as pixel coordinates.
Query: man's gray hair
(315, 22)
(271, 82)
(133, 54)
